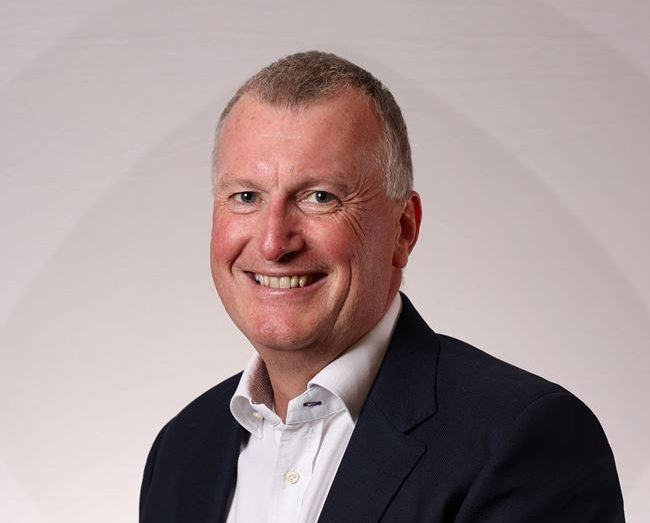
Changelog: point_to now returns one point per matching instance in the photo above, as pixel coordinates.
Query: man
(352, 409)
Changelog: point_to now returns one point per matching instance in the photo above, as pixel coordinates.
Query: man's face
(306, 247)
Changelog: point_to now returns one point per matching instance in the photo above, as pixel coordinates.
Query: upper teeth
(283, 282)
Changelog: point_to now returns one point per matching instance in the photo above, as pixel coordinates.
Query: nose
(281, 235)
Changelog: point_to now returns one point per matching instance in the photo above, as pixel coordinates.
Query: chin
(282, 336)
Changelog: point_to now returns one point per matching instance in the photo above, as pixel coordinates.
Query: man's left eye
(321, 197)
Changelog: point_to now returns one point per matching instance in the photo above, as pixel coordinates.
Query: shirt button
(292, 477)
(257, 415)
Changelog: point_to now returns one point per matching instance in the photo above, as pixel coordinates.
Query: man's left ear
(409, 229)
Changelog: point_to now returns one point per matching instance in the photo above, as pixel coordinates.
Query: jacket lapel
(381, 454)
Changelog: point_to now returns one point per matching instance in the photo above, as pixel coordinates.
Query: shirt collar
(342, 385)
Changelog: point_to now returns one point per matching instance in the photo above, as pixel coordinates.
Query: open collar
(341, 385)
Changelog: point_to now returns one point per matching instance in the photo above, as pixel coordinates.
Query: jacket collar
(381, 453)
(405, 389)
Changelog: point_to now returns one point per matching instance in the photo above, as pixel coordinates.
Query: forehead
(337, 131)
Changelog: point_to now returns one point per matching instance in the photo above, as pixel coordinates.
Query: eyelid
(335, 201)
(236, 197)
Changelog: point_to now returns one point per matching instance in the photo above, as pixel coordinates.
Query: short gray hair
(303, 78)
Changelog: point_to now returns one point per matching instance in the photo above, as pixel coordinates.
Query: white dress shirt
(285, 470)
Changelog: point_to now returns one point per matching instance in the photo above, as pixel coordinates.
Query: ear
(408, 230)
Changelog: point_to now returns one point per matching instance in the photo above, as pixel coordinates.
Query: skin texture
(299, 192)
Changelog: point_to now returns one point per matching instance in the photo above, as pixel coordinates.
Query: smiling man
(352, 409)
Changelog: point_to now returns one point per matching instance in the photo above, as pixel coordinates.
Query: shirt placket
(297, 446)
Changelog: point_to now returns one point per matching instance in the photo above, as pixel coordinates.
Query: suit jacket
(448, 433)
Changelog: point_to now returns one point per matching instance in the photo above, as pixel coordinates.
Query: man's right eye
(245, 197)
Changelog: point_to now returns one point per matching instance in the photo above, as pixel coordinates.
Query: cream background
(530, 123)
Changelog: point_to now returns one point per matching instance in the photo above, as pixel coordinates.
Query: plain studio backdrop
(530, 126)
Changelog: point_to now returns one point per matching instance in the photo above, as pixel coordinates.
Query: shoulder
(479, 374)
(497, 399)
(211, 405)
(459, 366)
(214, 398)
(199, 432)
(462, 384)
(528, 440)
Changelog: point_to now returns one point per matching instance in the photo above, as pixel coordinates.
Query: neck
(291, 370)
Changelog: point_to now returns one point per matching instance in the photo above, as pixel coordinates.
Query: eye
(321, 198)
(319, 202)
(245, 197)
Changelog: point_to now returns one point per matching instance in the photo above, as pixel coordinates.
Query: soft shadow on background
(529, 123)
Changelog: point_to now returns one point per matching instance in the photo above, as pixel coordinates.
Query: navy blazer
(448, 433)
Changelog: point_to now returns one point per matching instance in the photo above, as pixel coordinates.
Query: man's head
(312, 182)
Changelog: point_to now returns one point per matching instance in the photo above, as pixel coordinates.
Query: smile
(286, 282)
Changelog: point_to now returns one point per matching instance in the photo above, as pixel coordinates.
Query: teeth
(283, 282)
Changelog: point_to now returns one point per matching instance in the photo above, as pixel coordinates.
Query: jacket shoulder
(202, 433)
(485, 387)
(211, 404)
(482, 369)
(539, 452)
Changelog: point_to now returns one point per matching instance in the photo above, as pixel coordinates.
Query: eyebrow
(338, 181)
(236, 182)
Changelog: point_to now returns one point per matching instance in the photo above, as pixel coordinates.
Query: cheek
(375, 251)
(335, 241)
(226, 241)
(351, 246)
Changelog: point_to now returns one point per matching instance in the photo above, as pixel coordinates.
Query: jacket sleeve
(149, 471)
(553, 464)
